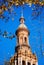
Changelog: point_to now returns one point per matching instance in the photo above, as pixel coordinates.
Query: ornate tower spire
(22, 32)
(22, 18)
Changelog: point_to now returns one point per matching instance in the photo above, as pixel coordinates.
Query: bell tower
(22, 33)
(23, 54)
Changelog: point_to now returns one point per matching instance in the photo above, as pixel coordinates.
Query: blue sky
(35, 26)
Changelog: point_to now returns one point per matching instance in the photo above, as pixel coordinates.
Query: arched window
(21, 39)
(33, 64)
(18, 39)
(23, 63)
(29, 63)
(25, 39)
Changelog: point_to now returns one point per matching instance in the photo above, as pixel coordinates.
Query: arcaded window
(29, 63)
(23, 63)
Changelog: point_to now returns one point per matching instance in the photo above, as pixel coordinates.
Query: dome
(22, 26)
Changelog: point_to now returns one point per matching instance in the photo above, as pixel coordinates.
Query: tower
(23, 55)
